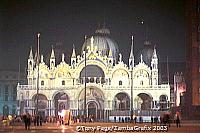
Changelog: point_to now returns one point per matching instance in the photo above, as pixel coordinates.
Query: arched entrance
(42, 104)
(146, 101)
(121, 101)
(5, 110)
(163, 102)
(94, 102)
(92, 109)
(61, 101)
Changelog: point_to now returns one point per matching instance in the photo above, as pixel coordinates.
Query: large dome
(103, 43)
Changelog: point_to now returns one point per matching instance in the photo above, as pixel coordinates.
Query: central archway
(94, 102)
(92, 109)
(61, 101)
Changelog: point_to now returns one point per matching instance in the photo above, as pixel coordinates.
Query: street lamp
(38, 56)
(132, 64)
(85, 109)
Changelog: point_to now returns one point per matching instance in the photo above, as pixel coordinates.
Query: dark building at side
(193, 59)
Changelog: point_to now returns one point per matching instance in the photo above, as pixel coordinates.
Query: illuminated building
(8, 92)
(109, 81)
(179, 88)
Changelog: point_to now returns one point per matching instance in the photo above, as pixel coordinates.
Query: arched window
(120, 82)
(42, 82)
(30, 63)
(63, 82)
(141, 83)
(52, 63)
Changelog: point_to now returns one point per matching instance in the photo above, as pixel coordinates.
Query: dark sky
(68, 21)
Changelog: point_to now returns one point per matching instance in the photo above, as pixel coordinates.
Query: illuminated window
(120, 82)
(42, 82)
(63, 82)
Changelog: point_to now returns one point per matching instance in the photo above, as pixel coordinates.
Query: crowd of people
(38, 120)
(163, 119)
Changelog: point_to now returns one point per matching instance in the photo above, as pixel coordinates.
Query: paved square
(103, 127)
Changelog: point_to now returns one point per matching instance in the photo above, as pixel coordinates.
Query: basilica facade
(97, 79)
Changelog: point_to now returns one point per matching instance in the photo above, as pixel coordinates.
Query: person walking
(177, 118)
(28, 121)
(25, 121)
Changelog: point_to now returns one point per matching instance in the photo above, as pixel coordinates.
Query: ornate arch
(91, 62)
(120, 69)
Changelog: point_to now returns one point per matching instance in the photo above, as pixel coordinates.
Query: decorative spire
(131, 58)
(52, 53)
(154, 52)
(73, 52)
(42, 59)
(110, 55)
(35, 57)
(31, 54)
(141, 58)
(63, 57)
(92, 43)
(131, 53)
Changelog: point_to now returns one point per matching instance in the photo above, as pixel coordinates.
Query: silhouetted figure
(178, 123)
(34, 120)
(114, 119)
(156, 120)
(135, 119)
(122, 119)
(25, 119)
(40, 117)
(151, 120)
(28, 121)
(141, 119)
(38, 120)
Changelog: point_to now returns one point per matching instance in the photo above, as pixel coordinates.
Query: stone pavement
(186, 127)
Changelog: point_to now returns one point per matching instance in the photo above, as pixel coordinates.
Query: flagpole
(38, 56)
(167, 70)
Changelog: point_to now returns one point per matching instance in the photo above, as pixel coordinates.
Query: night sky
(68, 21)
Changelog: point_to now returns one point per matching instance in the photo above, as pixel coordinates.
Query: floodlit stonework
(108, 82)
